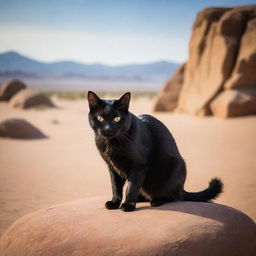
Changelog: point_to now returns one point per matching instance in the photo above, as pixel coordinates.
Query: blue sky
(107, 31)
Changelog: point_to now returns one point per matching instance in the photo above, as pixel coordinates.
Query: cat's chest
(119, 167)
(116, 158)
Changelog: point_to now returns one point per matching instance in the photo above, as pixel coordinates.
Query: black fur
(141, 151)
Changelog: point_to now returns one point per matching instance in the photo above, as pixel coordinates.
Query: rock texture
(168, 97)
(85, 227)
(237, 102)
(20, 129)
(29, 98)
(9, 88)
(244, 72)
(222, 55)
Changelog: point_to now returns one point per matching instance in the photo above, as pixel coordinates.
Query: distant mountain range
(13, 64)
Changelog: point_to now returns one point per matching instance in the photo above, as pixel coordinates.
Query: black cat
(141, 151)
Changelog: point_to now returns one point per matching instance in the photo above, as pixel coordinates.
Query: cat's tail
(214, 189)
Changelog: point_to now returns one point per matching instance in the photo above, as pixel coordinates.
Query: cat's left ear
(125, 100)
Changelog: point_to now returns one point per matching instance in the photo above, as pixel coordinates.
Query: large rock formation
(222, 55)
(19, 129)
(85, 227)
(9, 88)
(29, 98)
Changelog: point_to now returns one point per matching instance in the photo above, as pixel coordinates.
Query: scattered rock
(85, 227)
(29, 98)
(168, 97)
(20, 129)
(231, 103)
(9, 88)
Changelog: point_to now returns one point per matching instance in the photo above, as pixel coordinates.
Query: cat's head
(109, 118)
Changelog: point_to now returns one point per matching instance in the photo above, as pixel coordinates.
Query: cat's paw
(112, 205)
(127, 207)
(158, 202)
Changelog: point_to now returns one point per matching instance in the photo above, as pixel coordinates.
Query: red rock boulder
(85, 227)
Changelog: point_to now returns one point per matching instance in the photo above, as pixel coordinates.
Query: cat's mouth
(108, 134)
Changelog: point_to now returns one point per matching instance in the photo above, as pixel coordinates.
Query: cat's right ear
(93, 99)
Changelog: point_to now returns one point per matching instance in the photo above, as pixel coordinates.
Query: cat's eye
(100, 118)
(117, 119)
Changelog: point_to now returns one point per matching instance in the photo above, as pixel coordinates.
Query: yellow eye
(100, 118)
(117, 119)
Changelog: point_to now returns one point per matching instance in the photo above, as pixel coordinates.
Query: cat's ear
(93, 99)
(125, 100)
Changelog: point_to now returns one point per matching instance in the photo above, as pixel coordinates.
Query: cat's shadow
(214, 211)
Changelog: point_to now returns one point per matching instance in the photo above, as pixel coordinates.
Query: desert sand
(38, 173)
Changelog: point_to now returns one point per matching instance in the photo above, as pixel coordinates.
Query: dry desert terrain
(66, 166)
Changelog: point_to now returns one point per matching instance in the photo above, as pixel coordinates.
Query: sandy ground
(38, 173)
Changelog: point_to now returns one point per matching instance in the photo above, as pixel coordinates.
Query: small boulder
(30, 98)
(9, 88)
(85, 227)
(20, 129)
(231, 103)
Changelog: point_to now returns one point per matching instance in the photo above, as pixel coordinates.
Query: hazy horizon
(100, 31)
(87, 63)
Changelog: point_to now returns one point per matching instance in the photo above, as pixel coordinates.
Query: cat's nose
(107, 128)
(107, 131)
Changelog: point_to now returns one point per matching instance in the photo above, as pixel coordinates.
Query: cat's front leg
(135, 181)
(117, 183)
